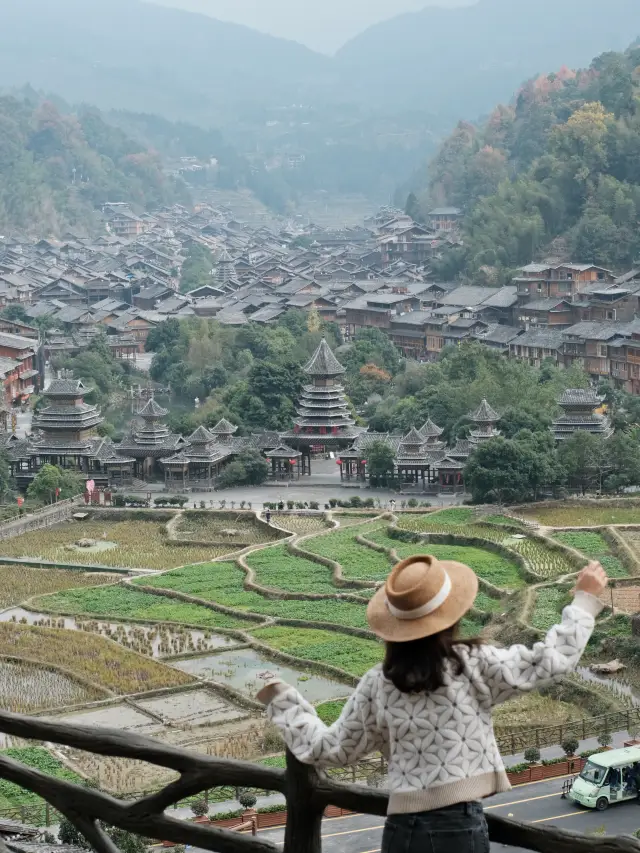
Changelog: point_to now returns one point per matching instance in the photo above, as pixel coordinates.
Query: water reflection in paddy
(246, 670)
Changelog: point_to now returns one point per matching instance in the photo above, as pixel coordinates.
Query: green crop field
(222, 583)
(492, 567)
(277, 568)
(357, 560)
(594, 546)
(585, 515)
(354, 654)
(123, 602)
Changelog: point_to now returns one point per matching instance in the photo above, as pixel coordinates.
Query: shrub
(290, 504)
(161, 501)
(199, 808)
(532, 755)
(369, 503)
(605, 739)
(412, 503)
(247, 800)
(227, 815)
(314, 505)
(570, 746)
(299, 505)
(356, 501)
(118, 500)
(333, 502)
(327, 506)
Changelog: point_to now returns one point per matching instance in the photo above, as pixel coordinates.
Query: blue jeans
(456, 829)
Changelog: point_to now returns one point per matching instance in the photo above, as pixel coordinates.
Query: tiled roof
(153, 410)
(65, 387)
(413, 437)
(484, 412)
(580, 396)
(323, 362)
(201, 436)
(224, 427)
(429, 429)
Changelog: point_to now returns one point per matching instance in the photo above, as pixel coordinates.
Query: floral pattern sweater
(440, 745)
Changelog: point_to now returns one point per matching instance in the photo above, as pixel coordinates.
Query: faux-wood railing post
(304, 814)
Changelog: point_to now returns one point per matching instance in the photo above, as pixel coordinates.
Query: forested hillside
(58, 167)
(556, 172)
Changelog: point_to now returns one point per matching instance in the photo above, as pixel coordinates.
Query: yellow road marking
(517, 802)
(558, 817)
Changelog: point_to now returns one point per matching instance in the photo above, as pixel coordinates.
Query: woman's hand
(592, 579)
(268, 692)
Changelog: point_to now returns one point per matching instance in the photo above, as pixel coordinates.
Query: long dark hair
(419, 666)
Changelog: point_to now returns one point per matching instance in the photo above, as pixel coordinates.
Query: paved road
(539, 803)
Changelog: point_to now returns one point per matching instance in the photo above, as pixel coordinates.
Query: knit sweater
(440, 746)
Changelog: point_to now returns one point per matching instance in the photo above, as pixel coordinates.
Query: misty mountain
(139, 56)
(461, 61)
(449, 62)
(322, 26)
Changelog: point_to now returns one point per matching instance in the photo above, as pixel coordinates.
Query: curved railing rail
(307, 792)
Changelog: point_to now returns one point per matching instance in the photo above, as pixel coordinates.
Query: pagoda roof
(66, 388)
(152, 410)
(201, 436)
(323, 362)
(484, 412)
(580, 397)
(283, 451)
(224, 427)
(413, 437)
(429, 429)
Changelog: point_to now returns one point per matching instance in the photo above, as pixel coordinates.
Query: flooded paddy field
(247, 670)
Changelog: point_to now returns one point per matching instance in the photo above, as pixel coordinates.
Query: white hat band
(417, 613)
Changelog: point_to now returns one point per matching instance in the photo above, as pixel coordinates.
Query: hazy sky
(323, 25)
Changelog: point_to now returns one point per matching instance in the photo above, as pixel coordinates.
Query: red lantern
(268, 459)
(363, 461)
(292, 462)
(20, 501)
(338, 461)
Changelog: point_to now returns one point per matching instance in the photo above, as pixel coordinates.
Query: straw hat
(421, 596)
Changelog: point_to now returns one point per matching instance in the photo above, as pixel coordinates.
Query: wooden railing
(307, 793)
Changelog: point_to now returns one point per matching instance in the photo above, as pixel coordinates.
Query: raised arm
(353, 735)
(519, 669)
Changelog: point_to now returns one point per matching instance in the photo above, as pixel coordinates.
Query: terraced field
(596, 547)
(492, 567)
(297, 589)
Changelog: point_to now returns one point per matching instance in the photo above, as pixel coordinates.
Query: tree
(532, 755)
(499, 471)
(380, 461)
(49, 479)
(515, 419)
(199, 808)
(570, 746)
(581, 456)
(412, 208)
(623, 455)
(255, 466)
(197, 268)
(15, 311)
(234, 474)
